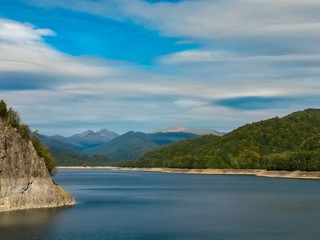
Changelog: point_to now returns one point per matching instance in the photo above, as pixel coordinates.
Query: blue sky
(68, 66)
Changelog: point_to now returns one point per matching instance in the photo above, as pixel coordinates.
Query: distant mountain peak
(102, 135)
(104, 130)
(107, 134)
(171, 129)
(182, 129)
(85, 140)
(84, 134)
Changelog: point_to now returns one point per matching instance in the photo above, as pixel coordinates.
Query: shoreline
(86, 167)
(253, 172)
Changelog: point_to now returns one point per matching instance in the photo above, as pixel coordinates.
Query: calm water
(152, 206)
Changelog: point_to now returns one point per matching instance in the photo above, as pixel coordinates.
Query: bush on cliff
(11, 118)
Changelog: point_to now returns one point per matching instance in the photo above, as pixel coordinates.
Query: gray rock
(25, 181)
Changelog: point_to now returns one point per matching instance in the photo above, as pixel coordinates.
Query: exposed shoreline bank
(253, 172)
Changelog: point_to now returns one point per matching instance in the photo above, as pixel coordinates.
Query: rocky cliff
(24, 179)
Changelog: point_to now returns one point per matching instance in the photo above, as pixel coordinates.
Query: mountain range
(86, 140)
(132, 145)
(105, 147)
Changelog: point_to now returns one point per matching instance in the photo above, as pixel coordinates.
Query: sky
(69, 66)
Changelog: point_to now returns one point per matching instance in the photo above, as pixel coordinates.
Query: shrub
(12, 118)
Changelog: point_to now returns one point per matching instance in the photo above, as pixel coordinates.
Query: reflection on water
(119, 205)
(28, 224)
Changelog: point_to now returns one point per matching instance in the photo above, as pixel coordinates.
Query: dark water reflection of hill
(28, 224)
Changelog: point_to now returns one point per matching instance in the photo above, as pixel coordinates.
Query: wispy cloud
(23, 49)
(255, 59)
(236, 21)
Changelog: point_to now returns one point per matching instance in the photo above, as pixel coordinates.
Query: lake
(130, 205)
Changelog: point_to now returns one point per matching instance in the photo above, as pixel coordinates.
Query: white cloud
(191, 56)
(262, 48)
(21, 33)
(22, 49)
(208, 19)
(252, 26)
(201, 57)
(190, 103)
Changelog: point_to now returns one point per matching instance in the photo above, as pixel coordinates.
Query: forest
(288, 143)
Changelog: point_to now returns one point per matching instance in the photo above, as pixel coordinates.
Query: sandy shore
(253, 172)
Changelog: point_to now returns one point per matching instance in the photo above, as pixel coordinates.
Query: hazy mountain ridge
(66, 156)
(82, 141)
(132, 145)
(81, 149)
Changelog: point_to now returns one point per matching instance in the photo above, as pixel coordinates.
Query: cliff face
(24, 179)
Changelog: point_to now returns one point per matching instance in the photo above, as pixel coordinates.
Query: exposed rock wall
(24, 179)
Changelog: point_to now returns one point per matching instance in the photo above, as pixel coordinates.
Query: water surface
(152, 206)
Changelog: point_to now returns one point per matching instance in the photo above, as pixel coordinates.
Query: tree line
(10, 117)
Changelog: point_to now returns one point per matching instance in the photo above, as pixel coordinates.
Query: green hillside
(71, 151)
(133, 145)
(66, 156)
(288, 143)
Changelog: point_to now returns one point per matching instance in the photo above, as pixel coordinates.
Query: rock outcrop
(25, 181)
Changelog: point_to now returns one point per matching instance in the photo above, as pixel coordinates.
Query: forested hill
(288, 143)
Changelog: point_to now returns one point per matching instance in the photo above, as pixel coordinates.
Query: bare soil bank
(254, 172)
